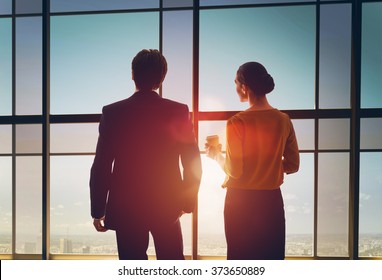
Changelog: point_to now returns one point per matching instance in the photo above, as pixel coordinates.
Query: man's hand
(99, 224)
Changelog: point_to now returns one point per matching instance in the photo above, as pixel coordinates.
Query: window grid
(355, 113)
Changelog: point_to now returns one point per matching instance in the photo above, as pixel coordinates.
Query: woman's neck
(259, 103)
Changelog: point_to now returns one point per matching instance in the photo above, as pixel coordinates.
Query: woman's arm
(291, 157)
(216, 154)
(232, 163)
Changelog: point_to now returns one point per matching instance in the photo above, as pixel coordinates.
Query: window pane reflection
(5, 139)
(333, 204)
(298, 194)
(335, 56)
(5, 7)
(97, 66)
(28, 138)
(177, 48)
(230, 37)
(371, 64)
(28, 6)
(371, 134)
(29, 66)
(177, 3)
(6, 205)
(370, 207)
(304, 130)
(99, 5)
(73, 138)
(5, 66)
(28, 205)
(334, 134)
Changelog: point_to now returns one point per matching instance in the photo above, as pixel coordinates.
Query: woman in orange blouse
(261, 147)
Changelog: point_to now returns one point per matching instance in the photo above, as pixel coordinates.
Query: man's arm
(191, 162)
(101, 172)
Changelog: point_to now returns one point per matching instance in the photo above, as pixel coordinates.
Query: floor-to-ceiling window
(370, 225)
(61, 61)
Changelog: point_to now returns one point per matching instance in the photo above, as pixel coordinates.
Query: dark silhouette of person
(261, 147)
(136, 183)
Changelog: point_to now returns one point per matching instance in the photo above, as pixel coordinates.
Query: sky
(5, 66)
(90, 67)
(282, 39)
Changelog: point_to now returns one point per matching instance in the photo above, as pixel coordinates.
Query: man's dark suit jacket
(136, 172)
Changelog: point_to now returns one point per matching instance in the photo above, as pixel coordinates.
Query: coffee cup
(212, 140)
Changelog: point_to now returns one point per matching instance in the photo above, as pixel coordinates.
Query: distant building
(66, 246)
(86, 250)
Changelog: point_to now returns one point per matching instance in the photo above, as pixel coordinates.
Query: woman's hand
(213, 152)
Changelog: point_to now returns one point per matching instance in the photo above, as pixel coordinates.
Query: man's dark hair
(149, 69)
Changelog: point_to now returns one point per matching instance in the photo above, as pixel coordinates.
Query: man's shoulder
(134, 103)
(174, 104)
(116, 106)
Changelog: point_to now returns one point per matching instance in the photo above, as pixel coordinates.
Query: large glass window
(282, 39)
(91, 58)
(92, 44)
(371, 70)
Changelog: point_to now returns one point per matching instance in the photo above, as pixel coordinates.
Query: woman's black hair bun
(256, 77)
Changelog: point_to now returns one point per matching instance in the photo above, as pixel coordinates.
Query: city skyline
(296, 246)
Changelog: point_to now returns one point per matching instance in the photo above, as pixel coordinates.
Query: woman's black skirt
(254, 224)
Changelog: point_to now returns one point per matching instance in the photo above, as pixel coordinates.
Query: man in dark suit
(136, 183)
